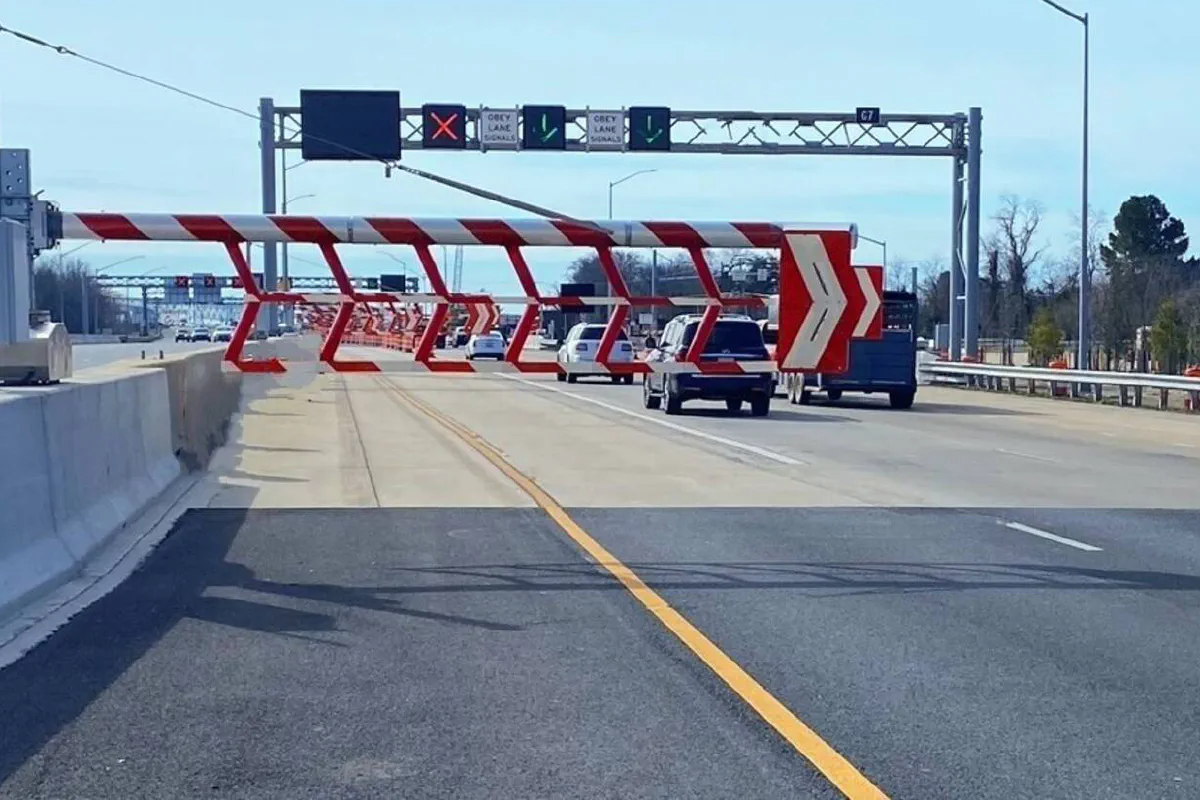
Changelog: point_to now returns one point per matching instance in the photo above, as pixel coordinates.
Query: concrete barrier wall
(203, 400)
(79, 461)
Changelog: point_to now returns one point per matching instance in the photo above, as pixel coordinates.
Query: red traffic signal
(181, 281)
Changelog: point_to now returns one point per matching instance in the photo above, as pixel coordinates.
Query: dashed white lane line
(1032, 531)
(771, 455)
(1027, 455)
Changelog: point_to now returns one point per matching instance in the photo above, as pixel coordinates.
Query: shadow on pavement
(55, 682)
(187, 577)
(843, 578)
(791, 415)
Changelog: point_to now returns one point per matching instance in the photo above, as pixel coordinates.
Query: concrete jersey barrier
(91, 455)
(79, 461)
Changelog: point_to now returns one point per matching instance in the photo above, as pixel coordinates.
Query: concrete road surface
(983, 597)
(87, 356)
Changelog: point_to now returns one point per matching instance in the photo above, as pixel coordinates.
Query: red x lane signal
(443, 127)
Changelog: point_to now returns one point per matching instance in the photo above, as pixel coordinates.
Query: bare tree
(993, 290)
(1017, 222)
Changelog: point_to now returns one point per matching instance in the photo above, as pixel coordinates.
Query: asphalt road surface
(983, 597)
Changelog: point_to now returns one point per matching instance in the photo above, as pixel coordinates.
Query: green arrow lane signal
(544, 127)
(650, 137)
(547, 134)
(649, 128)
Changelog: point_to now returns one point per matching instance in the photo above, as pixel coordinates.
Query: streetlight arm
(1077, 17)
(630, 175)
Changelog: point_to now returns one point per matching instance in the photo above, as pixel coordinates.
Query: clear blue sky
(101, 141)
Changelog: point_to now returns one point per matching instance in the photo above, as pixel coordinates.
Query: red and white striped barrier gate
(821, 297)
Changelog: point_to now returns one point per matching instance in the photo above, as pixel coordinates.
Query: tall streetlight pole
(654, 254)
(284, 169)
(85, 307)
(1083, 355)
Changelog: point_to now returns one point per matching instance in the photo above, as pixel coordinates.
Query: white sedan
(487, 345)
(581, 346)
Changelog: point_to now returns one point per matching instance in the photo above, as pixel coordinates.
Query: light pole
(1083, 355)
(882, 244)
(84, 305)
(654, 255)
(403, 264)
(286, 201)
(284, 170)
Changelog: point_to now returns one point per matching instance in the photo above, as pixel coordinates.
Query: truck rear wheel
(760, 405)
(901, 398)
(833, 395)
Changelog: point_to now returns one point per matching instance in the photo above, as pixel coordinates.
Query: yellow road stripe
(829, 762)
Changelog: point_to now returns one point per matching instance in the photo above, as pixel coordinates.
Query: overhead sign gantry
(866, 130)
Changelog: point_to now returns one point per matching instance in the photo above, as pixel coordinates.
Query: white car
(581, 345)
(487, 345)
(201, 334)
(223, 334)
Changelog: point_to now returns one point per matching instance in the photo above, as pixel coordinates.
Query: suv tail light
(581, 348)
(626, 347)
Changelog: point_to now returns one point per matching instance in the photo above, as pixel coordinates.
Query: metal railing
(1077, 383)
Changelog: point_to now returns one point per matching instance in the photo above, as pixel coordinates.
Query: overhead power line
(396, 165)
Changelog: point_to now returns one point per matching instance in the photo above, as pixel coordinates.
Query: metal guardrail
(1077, 383)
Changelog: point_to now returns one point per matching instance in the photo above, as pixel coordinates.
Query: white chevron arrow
(874, 301)
(828, 301)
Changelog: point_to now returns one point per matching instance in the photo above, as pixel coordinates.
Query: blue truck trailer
(885, 366)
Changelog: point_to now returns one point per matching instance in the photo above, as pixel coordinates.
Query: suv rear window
(736, 336)
(595, 332)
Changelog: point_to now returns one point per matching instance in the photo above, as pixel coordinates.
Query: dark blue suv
(734, 338)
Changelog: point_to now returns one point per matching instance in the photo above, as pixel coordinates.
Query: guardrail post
(1137, 396)
(1163, 399)
(1123, 396)
(1012, 385)
(1098, 392)
(1195, 401)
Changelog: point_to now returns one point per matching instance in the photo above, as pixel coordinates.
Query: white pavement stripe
(1018, 526)
(1027, 455)
(749, 448)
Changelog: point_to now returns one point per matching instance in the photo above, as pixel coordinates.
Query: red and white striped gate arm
(231, 230)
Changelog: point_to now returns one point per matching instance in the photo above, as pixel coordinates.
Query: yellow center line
(829, 762)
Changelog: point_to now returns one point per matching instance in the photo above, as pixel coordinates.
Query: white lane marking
(1018, 526)
(749, 448)
(1026, 455)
